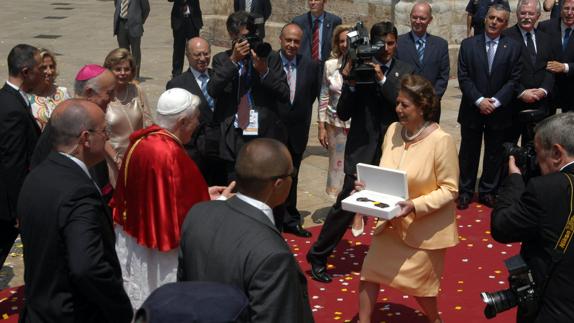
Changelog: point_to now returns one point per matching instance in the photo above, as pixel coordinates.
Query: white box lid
(383, 180)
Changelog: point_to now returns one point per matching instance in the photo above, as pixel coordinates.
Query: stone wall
(449, 18)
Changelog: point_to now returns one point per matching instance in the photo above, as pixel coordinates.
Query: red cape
(162, 184)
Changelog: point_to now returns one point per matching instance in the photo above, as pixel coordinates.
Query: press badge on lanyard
(252, 128)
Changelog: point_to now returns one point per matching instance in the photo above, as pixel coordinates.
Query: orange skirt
(390, 261)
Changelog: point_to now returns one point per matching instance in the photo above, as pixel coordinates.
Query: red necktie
(315, 47)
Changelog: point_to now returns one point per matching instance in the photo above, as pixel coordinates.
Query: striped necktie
(291, 80)
(248, 4)
(204, 80)
(315, 44)
(420, 49)
(124, 8)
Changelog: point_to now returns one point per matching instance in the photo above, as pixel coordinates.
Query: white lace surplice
(143, 269)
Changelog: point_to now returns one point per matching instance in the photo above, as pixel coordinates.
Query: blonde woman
(47, 95)
(127, 112)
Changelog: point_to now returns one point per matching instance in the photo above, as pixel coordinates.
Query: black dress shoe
(487, 200)
(463, 202)
(319, 273)
(298, 231)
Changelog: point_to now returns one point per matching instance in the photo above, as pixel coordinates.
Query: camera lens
(498, 302)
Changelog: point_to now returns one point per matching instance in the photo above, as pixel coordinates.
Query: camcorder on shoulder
(522, 292)
(361, 53)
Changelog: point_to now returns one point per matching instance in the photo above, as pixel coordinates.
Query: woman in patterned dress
(47, 95)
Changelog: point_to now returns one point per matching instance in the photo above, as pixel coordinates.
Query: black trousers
(133, 44)
(286, 214)
(334, 228)
(180, 37)
(8, 234)
(469, 156)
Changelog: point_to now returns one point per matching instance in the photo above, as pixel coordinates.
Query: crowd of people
(126, 202)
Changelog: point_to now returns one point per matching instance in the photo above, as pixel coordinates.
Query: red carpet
(474, 265)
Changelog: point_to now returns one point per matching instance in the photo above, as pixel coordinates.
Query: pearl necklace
(413, 137)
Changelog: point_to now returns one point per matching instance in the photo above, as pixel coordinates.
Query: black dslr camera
(525, 156)
(522, 291)
(361, 52)
(261, 48)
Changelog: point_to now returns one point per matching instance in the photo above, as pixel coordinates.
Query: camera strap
(563, 242)
(566, 236)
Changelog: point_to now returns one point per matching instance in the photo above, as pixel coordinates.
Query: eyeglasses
(292, 175)
(104, 131)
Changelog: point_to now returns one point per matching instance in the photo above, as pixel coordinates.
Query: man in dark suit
(372, 109)
(18, 135)
(318, 26)
(535, 81)
(488, 73)
(476, 13)
(260, 9)
(427, 53)
(186, 22)
(246, 89)
(129, 18)
(540, 216)
(303, 79)
(204, 145)
(560, 32)
(236, 242)
(72, 270)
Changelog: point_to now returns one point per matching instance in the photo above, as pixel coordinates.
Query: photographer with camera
(246, 88)
(369, 97)
(540, 215)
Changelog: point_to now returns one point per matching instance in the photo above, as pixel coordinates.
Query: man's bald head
(70, 118)
(421, 17)
(198, 52)
(259, 164)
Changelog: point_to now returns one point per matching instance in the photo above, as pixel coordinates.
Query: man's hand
(379, 74)
(486, 106)
(217, 192)
(512, 168)
(323, 138)
(555, 67)
(259, 63)
(240, 50)
(346, 72)
(532, 95)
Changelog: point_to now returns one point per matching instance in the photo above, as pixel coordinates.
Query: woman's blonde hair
(335, 50)
(117, 56)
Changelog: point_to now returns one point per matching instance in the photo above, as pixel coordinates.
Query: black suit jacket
(72, 270)
(267, 92)
(177, 17)
(564, 83)
(205, 140)
(18, 135)
(536, 216)
(297, 115)
(372, 110)
(305, 22)
(232, 242)
(435, 66)
(261, 8)
(533, 75)
(475, 81)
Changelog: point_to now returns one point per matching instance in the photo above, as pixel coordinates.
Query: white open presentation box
(384, 185)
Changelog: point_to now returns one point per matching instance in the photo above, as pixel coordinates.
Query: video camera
(361, 52)
(522, 291)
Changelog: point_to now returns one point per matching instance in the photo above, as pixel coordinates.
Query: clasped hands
(407, 206)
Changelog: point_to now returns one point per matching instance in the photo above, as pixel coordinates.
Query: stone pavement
(80, 32)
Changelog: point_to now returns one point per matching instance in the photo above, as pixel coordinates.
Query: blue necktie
(420, 49)
(204, 80)
(567, 32)
(490, 54)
